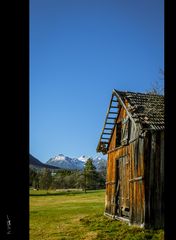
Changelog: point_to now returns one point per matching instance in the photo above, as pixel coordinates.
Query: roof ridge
(136, 93)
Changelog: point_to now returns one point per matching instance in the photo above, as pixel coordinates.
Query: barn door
(122, 187)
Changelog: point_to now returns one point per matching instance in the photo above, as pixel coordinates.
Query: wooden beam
(136, 179)
(113, 112)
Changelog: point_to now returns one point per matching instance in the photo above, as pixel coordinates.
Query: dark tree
(45, 179)
(33, 178)
(90, 175)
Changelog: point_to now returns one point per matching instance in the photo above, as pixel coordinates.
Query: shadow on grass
(114, 229)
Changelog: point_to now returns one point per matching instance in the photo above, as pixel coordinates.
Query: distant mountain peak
(66, 162)
(83, 158)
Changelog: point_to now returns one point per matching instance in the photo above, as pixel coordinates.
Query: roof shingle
(148, 108)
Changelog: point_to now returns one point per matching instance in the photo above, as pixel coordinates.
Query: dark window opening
(118, 134)
(127, 209)
(125, 212)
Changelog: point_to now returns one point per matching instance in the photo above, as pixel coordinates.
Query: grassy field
(59, 215)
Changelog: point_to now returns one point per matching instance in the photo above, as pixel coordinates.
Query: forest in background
(87, 179)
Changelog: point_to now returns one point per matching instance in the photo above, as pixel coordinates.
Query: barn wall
(137, 195)
(154, 179)
(111, 178)
(133, 168)
(144, 169)
(113, 141)
(134, 174)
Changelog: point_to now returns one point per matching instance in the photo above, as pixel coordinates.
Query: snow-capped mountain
(99, 162)
(83, 158)
(66, 162)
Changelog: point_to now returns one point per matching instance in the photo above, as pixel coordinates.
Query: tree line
(87, 179)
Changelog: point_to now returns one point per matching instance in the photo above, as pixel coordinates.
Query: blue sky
(80, 50)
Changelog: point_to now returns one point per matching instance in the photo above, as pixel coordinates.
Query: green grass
(78, 215)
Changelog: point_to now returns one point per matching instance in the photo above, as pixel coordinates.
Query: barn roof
(146, 108)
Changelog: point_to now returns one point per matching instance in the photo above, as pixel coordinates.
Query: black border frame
(15, 120)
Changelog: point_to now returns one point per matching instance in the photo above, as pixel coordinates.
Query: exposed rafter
(146, 109)
(109, 124)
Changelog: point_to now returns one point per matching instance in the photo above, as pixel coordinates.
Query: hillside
(35, 163)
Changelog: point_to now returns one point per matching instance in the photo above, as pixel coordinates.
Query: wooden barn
(133, 139)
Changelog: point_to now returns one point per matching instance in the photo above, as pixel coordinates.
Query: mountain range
(66, 162)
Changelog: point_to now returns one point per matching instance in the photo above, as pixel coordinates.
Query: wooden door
(122, 187)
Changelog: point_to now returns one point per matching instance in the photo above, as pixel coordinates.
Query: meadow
(75, 215)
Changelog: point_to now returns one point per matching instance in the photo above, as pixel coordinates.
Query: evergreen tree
(90, 175)
(33, 178)
(46, 179)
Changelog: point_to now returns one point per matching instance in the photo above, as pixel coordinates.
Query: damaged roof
(146, 108)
